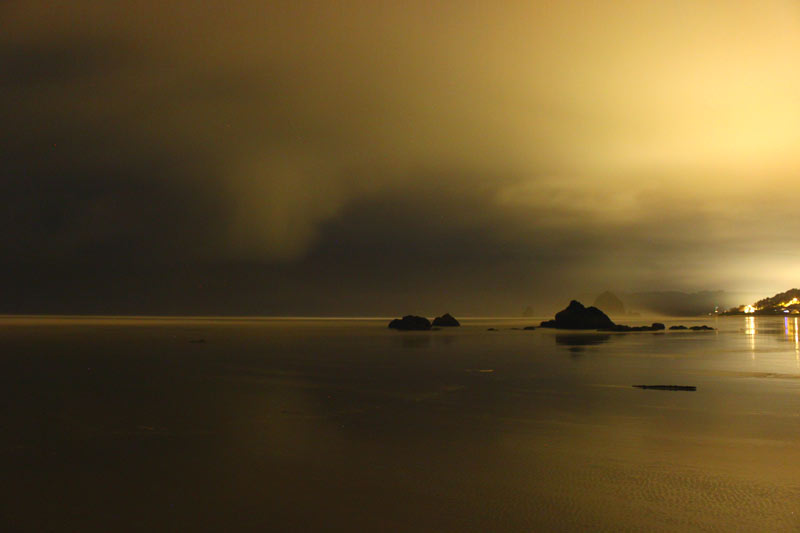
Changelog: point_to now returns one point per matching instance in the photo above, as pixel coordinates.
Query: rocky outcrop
(446, 320)
(693, 328)
(656, 326)
(576, 316)
(411, 323)
(668, 387)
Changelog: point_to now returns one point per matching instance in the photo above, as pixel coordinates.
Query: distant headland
(663, 303)
(577, 316)
(783, 303)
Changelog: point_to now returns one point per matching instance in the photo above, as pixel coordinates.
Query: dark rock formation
(410, 322)
(491, 329)
(667, 387)
(656, 326)
(576, 316)
(609, 302)
(677, 327)
(446, 320)
(529, 328)
(701, 328)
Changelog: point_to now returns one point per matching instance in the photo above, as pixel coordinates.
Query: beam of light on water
(750, 331)
(791, 330)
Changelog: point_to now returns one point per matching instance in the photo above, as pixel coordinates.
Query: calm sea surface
(344, 425)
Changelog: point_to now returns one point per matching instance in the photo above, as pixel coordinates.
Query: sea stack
(609, 302)
(577, 316)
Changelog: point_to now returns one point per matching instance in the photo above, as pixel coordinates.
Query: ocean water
(343, 425)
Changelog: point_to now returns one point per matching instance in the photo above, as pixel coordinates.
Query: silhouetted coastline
(577, 316)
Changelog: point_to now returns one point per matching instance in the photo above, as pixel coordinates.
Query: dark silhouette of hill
(783, 302)
(609, 302)
(676, 303)
(773, 302)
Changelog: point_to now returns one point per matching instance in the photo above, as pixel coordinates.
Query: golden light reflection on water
(750, 331)
(791, 329)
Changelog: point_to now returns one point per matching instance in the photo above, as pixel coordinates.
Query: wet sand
(344, 425)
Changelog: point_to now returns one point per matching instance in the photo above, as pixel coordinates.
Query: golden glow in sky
(623, 144)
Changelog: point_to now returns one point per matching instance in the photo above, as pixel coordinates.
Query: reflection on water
(789, 332)
(750, 325)
(750, 331)
(320, 426)
(414, 341)
(578, 339)
(422, 340)
(576, 343)
(792, 334)
(588, 339)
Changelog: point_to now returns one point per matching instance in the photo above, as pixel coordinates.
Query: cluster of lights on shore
(749, 309)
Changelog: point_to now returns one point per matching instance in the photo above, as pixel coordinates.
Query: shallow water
(344, 425)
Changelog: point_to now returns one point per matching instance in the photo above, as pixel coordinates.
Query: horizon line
(239, 317)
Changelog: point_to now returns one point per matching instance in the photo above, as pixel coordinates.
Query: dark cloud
(31, 65)
(298, 158)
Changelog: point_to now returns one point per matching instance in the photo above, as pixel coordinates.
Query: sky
(367, 157)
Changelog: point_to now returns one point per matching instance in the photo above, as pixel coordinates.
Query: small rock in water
(410, 323)
(657, 326)
(668, 387)
(446, 320)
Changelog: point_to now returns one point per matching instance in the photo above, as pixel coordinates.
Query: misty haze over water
(199, 166)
